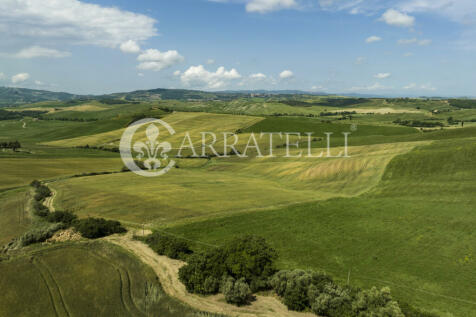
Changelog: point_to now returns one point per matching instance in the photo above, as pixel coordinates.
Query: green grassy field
(83, 279)
(14, 217)
(413, 232)
(224, 186)
(399, 212)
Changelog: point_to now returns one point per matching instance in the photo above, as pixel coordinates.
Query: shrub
(376, 303)
(236, 292)
(65, 217)
(39, 234)
(42, 192)
(35, 183)
(299, 288)
(333, 301)
(93, 228)
(250, 258)
(168, 246)
(39, 209)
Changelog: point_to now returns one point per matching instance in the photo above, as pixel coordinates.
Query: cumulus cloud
(258, 76)
(74, 21)
(265, 6)
(410, 86)
(38, 51)
(382, 75)
(286, 74)
(198, 76)
(372, 39)
(156, 60)
(18, 78)
(130, 46)
(397, 18)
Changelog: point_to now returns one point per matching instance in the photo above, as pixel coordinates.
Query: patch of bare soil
(64, 236)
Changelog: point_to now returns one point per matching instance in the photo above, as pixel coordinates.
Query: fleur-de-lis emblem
(151, 148)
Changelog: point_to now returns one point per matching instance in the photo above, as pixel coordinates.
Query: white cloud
(359, 60)
(286, 74)
(427, 87)
(210, 61)
(410, 86)
(397, 18)
(265, 6)
(177, 73)
(318, 88)
(38, 51)
(376, 86)
(198, 76)
(372, 39)
(2, 76)
(74, 21)
(130, 46)
(258, 76)
(414, 40)
(413, 86)
(382, 75)
(156, 60)
(20, 77)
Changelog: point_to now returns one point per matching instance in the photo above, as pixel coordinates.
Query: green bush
(249, 258)
(39, 209)
(65, 217)
(42, 192)
(93, 228)
(39, 234)
(298, 287)
(376, 303)
(168, 246)
(236, 292)
(333, 301)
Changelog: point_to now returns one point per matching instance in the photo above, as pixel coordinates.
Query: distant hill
(15, 96)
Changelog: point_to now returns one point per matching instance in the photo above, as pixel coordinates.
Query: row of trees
(246, 265)
(14, 145)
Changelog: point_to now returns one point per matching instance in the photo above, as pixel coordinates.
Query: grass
(14, 218)
(413, 232)
(224, 186)
(107, 281)
(21, 171)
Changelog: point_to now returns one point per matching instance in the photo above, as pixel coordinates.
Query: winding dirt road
(167, 271)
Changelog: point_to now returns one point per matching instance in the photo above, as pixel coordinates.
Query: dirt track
(49, 200)
(167, 271)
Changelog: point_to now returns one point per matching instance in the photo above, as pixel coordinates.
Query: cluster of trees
(463, 103)
(14, 145)
(169, 246)
(69, 119)
(237, 269)
(316, 291)
(13, 115)
(343, 113)
(246, 265)
(93, 228)
(419, 124)
(102, 148)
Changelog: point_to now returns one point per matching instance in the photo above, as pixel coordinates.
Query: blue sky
(394, 47)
